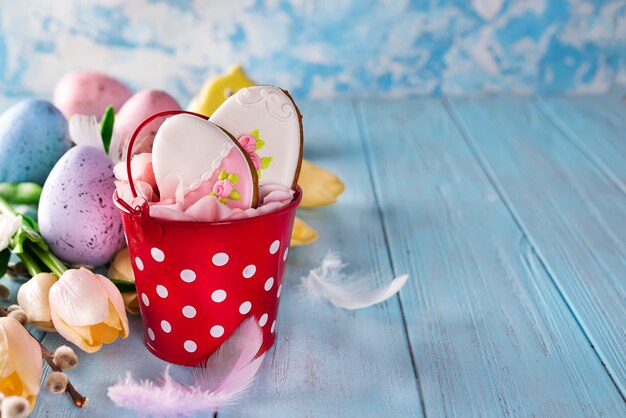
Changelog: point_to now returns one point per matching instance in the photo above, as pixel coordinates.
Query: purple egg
(77, 216)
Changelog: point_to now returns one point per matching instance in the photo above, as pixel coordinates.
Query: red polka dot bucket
(197, 281)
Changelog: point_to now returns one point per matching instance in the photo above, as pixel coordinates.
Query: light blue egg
(33, 136)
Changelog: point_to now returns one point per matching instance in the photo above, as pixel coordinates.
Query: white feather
(354, 291)
(222, 379)
(85, 130)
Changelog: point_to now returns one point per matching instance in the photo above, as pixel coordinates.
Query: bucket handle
(133, 138)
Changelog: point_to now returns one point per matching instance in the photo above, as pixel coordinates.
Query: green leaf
(24, 235)
(255, 134)
(223, 175)
(30, 222)
(106, 127)
(265, 162)
(27, 194)
(123, 285)
(234, 178)
(234, 195)
(4, 261)
(20, 193)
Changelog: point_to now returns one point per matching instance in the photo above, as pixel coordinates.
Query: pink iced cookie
(268, 125)
(207, 161)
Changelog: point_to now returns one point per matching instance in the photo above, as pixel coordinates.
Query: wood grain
(490, 332)
(571, 212)
(597, 125)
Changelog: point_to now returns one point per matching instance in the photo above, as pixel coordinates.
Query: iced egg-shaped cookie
(268, 125)
(205, 161)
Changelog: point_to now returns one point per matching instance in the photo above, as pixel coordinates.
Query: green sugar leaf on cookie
(223, 175)
(234, 195)
(265, 162)
(234, 178)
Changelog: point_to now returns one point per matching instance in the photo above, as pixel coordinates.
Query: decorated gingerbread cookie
(205, 160)
(268, 125)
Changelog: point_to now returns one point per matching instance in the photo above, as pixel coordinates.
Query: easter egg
(268, 124)
(137, 109)
(218, 89)
(89, 93)
(206, 159)
(33, 136)
(77, 216)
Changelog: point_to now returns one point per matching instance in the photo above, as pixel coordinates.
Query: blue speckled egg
(33, 136)
(77, 216)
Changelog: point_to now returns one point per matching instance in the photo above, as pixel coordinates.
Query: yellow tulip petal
(320, 187)
(302, 234)
(131, 302)
(21, 373)
(121, 268)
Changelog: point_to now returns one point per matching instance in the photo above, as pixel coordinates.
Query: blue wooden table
(510, 217)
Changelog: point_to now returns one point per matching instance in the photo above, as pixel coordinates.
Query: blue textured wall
(321, 48)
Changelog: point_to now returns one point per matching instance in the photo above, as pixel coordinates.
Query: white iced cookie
(268, 125)
(206, 159)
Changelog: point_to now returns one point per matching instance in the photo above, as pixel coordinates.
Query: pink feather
(226, 375)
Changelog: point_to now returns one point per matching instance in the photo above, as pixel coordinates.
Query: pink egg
(89, 93)
(137, 109)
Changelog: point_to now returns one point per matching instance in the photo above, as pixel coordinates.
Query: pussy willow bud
(65, 358)
(20, 316)
(14, 407)
(4, 292)
(56, 382)
(14, 308)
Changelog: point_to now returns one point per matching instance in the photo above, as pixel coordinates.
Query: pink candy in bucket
(197, 281)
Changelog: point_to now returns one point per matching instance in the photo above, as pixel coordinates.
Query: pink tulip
(20, 362)
(87, 309)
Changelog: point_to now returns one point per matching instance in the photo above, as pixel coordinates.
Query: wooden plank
(597, 125)
(332, 362)
(572, 213)
(327, 361)
(490, 333)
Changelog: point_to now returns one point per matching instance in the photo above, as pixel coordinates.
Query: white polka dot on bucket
(285, 254)
(274, 247)
(280, 290)
(151, 334)
(165, 326)
(139, 263)
(249, 271)
(190, 346)
(188, 275)
(145, 299)
(263, 320)
(157, 254)
(161, 291)
(218, 296)
(220, 259)
(217, 331)
(273, 327)
(189, 311)
(245, 307)
(268, 284)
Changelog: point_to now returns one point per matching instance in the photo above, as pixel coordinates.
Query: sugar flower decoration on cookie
(252, 144)
(224, 187)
